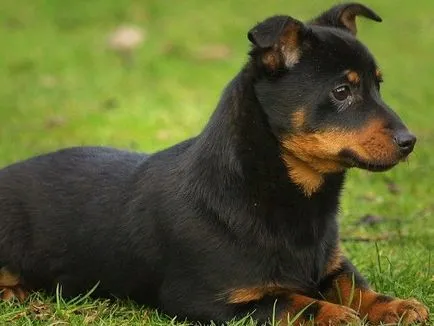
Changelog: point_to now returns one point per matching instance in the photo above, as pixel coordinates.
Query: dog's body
(226, 223)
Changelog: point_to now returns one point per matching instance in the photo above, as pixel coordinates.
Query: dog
(238, 220)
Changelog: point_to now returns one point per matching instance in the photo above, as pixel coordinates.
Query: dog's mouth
(351, 159)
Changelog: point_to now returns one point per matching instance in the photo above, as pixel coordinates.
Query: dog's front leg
(10, 286)
(303, 310)
(289, 308)
(346, 286)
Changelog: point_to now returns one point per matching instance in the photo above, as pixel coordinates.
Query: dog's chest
(302, 256)
(299, 265)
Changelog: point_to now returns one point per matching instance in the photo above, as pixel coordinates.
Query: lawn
(61, 85)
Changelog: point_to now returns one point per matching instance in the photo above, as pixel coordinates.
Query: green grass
(61, 86)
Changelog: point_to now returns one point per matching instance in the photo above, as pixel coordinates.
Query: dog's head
(320, 89)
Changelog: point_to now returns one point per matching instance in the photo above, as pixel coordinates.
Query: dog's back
(58, 200)
(71, 179)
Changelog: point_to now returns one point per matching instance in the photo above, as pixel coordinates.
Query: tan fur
(310, 155)
(365, 301)
(335, 261)
(353, 77)
(286, 51)
(328, 314)
(348, 18)
(9, 293)
(410, 311)
(333, 314)
(244, 295)
(378, 74)
(8, 279)
(298, 303)
(289, 45)
(10, 286)
(271, 60)
(302, 174)
(298, 119)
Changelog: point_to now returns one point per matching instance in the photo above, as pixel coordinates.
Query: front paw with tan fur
(333, 314)
(406, 312)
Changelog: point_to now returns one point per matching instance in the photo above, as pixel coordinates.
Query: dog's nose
(405, 141)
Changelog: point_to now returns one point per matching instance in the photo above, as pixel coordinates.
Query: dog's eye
(341, 93)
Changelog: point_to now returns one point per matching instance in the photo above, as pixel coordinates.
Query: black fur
(180, 228)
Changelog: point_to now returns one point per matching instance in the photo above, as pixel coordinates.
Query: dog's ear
(278, 40)
(344, 16)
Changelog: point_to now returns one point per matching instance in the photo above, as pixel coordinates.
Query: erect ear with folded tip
(277, 40)
(344, 16)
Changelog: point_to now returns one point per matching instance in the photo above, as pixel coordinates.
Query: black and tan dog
(240, 219)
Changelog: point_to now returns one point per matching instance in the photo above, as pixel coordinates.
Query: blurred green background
(63, 84)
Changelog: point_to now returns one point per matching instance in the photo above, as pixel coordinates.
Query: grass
(60, 86)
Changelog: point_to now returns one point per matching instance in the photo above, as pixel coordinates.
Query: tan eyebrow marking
(353, 77)
(379, 74)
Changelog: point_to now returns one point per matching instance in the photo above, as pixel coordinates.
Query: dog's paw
(398, 311)
(333, 314)
(11, 293)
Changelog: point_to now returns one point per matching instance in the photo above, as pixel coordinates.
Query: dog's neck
(241, 156)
